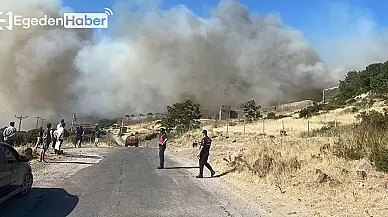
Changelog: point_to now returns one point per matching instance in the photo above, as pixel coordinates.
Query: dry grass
(284, 169)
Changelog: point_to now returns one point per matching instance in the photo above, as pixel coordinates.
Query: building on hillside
(329, 94)
(224, 112)
(227, 113)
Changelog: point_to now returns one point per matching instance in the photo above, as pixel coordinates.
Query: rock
(271, 136)
(361, 174)
(283, 133)
(345, 171)
(360, 184)
(318, 171)
(322, 177)
(334, 183)
(316, 156)
(28, 153)
(364, 166)
(234, 141)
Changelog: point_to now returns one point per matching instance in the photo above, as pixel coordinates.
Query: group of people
(53, 136)
(203, 155)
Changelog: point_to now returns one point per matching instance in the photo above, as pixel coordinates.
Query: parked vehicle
(15, 173)
(132, 140)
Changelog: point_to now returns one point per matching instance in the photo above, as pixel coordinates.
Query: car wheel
(137, 145)
(27, 183)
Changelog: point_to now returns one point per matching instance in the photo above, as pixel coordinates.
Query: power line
(10, 98)
(20, 120)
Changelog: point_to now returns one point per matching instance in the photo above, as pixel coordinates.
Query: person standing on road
(82, 135)
(162, 148)
(46, 138)
(54, 138)
(204, 151)
(39, 137)
(10, 134)
(78, 135)
(60, 134)
(96, 135)
(60, 124)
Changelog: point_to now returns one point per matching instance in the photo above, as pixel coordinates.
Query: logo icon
(108, 11)
(9, 21)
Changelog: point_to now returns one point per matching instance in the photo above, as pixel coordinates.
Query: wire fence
(272, 126)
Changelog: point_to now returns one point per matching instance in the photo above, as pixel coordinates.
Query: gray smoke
(164, 56)
(154, 59)
(37, 64)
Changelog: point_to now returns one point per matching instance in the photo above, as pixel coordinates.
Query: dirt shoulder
(284, 173)
(61, 167)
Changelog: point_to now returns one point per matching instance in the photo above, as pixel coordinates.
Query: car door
(18, 169)
(5, 174)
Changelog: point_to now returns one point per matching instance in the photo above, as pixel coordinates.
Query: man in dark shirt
(46, 138)
(39, 137)
(162, 148)
(204, 151)
(96, 135)
(78, 137)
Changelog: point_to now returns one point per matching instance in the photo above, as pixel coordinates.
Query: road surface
(127, 183)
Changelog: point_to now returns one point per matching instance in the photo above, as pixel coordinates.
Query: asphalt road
(126, 183)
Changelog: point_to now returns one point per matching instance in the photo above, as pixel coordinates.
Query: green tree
(182, 116)
(374, 79)
(251, 110)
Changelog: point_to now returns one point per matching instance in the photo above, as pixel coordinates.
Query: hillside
(327, 159)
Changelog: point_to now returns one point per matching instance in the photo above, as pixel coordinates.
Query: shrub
(367, 139)
(271, 115)
(182, 116)
(380, 157)
(251, 110)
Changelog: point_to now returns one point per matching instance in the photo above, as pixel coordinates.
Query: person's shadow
(173, 168)
(42, 202)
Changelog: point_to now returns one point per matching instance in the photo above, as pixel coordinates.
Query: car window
(3, 158)
(10, 155)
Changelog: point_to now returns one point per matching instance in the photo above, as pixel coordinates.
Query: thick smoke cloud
(37, 64)
(161, 57)
(152, 59)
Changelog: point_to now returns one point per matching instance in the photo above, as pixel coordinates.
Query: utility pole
(73, 120)
(21, 117)
(42, 119)
(37, 122)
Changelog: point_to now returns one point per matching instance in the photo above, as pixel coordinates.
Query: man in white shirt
(10, 134)
(59, 134)
(60, 123)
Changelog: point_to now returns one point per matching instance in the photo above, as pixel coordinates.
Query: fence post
(227, 127)
(308, 125)
(283, 125)
(335, 123)
(244, 126)
(263, 125)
